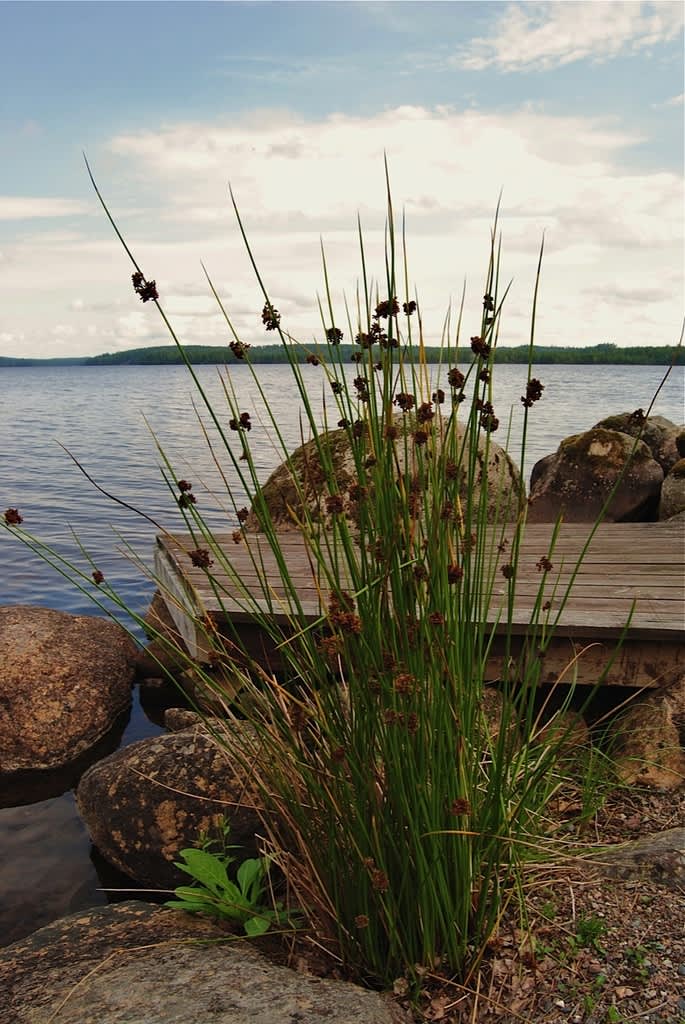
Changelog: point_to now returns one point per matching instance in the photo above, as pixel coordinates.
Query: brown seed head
(460, 806)
(239, 349)
(479, 347)
(387, 308)
(335, 504)
(271, 318)
(455, 378)
(455, 573)
(404, 401)
(200, 558)
(533, 393)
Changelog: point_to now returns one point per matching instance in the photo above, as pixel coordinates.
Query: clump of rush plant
(399, 815)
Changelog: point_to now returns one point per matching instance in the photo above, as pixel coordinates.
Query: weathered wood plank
(628, 567)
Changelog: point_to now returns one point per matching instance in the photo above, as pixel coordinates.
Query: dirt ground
(594, 950)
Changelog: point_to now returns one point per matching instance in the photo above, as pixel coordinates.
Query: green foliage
(637, 956)
(214, 893)
(589, 931)
(548, 910)
(161, 355)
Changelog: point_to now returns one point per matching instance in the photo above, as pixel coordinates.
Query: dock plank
(630, 571)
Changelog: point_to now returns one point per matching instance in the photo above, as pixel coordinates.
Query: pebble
(681, 970)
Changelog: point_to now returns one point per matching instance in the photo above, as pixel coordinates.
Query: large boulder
(153, 798)
(64, 681)
(658, 433)
(302, 476)
(577, 480)
(149, 965)
(672, 502)
(649, 739)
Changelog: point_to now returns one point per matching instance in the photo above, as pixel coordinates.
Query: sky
(573, 111)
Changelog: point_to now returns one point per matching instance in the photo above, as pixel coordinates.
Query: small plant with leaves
(613, 1016)
(589, 932)
(243, 901)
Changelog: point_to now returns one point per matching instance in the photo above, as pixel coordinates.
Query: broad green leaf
(196, 894)
(257, 926)
(189, 906)
(206, 868)
(250, 875)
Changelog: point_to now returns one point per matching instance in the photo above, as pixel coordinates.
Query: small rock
(659, 858)
(672, 502)
(178, 719)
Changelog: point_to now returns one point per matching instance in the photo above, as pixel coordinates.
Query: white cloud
(541, 36)
(90, 306)
(29, 207)
(673, 101)
(64, 330)
(296, 179)
(607, 227)
(135, 326)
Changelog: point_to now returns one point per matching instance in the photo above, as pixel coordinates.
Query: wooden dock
(638, 566)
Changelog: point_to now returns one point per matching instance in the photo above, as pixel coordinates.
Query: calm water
(105, 416)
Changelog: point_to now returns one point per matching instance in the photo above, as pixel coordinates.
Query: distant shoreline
(168, 355)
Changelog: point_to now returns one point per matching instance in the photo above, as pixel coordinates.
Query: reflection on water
(46, 868)
(100, 414)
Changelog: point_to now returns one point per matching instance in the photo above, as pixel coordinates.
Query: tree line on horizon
(606, 353)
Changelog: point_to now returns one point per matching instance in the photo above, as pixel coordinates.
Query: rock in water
(577, 480)
(659, 434)
(672, 501)
(302, 477)
(64, 680)
(150, 800)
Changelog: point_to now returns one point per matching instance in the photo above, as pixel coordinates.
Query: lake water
(105, 416)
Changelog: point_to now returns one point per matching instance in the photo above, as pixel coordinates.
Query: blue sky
(573, 109)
